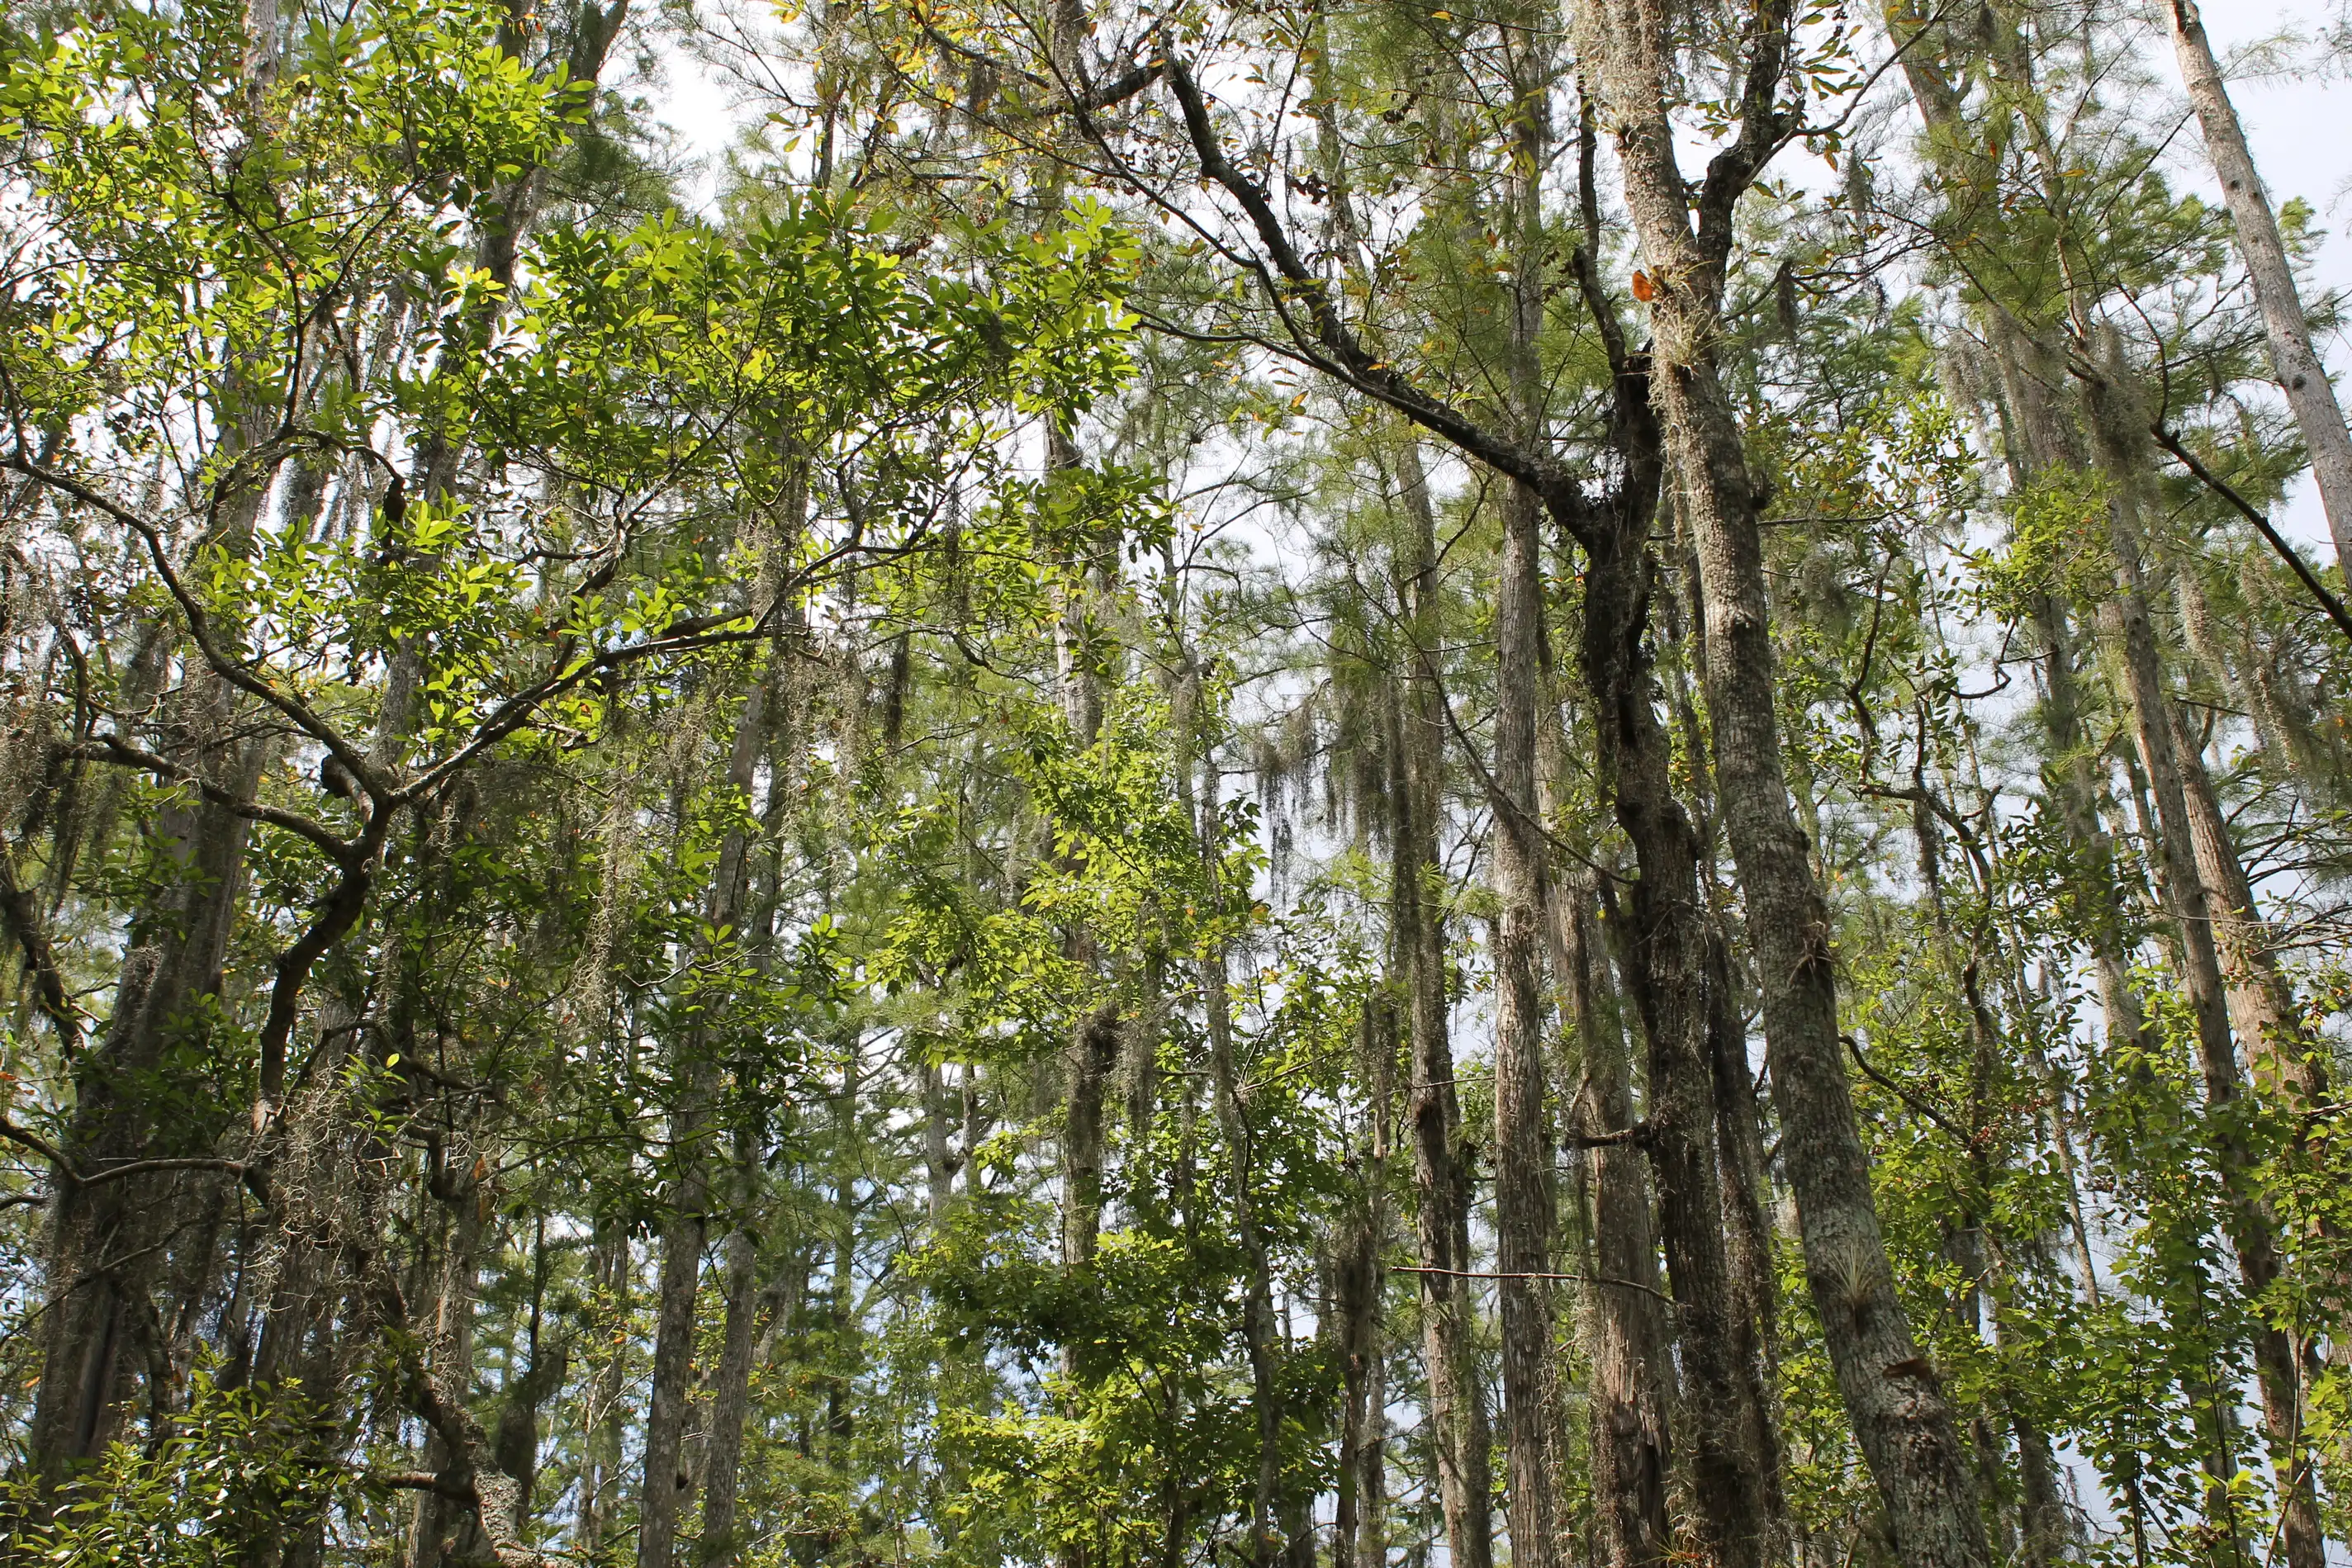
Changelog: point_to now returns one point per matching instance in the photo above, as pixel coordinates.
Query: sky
(2300, 128)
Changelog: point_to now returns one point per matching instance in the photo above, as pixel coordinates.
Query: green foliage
(238, 1471)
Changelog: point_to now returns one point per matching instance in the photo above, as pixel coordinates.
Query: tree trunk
(2117, 437)
(732, 1380)
(938, 1156)
(2285, 1061)
(1628, 1340)
(1442, 1210)
(1901, 1420)
(1356, 1526)
(1720, 1418)
(1258, 1327)
(108, 1240)
(610, 1272)
(516, 1439)
(440, 1522)
(1094, 1051)
(1525, 1212)
(1523, 1216)
(667, 1484)
(2309, 394)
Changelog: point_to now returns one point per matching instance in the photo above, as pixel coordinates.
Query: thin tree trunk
(938, 1158)
(730, 1382)
(2309, 393)
(1627, 1339)
(667, 1484)
(515, 1441)
(1258, 1327)
(1525, 1213)
(2116, 428)
(611, 1272)
(438, 1521)
(1094, 1051)
(1523, 1216)
(2287, 1062)
(1355, 1515)
(1442, 1211)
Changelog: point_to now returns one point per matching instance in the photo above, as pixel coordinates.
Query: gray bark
(1357, 1535)
(1525, 1212)
(515, 1440)
(2287, 1062)
(1902, 1424)
(730, 1382)
(1442, 1210)
(1259, 1330)
(440, 1523)
(1627, 1338)
(108, 1240)
(2309, 394)
(610, 1272)
(667, 1484)
(938, 1157)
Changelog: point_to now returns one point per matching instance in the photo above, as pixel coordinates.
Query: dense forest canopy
(1321, 784)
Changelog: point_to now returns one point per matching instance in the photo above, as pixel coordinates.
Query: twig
(1579, 1279)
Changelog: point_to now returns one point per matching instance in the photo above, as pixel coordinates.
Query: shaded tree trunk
(441, 1524)
(730, 1380)
(2116, 427)
(1442, 1210)
(1357, 1535)
(667, 1484)
(1627, 1338)
(515, 1441)
(108, 1240)
(1902, 1422)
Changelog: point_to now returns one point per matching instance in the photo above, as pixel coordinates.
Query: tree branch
(1333, 348)
(115, 749)
(2277, 541)
(472, 1476)
(199, 623)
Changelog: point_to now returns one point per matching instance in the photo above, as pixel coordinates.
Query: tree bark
(107, 1239)
(1442, 1208)
(1356, 1536)
(1525, 1213)
(667, 1484)
(1627, 1339)
(938, 1157)
(2287, 1062)
(439, 1520)
(730, 1381)
(1094, 1051)
(1258, 1326)
(1719, 1419)
(2118, 443)
(1902, 1422)
(515, 1442)
(2309, 393)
